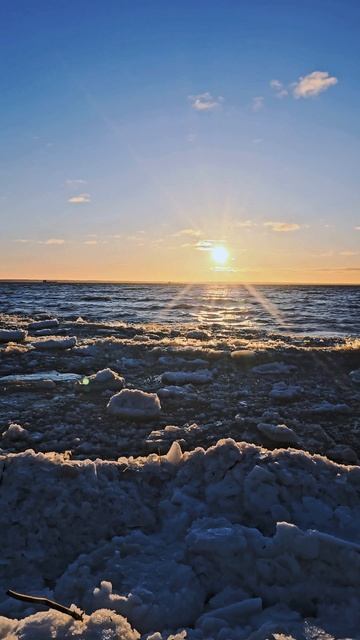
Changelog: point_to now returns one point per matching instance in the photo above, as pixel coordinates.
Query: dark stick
(47, 603)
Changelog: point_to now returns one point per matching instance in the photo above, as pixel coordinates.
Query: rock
(135, 404)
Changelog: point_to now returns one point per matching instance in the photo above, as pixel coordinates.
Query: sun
(219, 255)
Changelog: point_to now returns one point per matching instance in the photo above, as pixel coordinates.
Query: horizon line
(177, 282)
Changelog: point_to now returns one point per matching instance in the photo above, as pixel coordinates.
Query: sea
(289, 310)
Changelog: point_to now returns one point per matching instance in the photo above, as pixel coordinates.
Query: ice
(174, 391)
(100, 625)
(56, 343)
(15, 432)
(41, 376)
(274, 368)
(44, 324)
(330, 407)
(277, 433)
(285, 393)
(12, 335)
(355, 376)
(135, 404)
(243, 356)
(106, 378)
(174, 455)
(203, 376)
(231, 543)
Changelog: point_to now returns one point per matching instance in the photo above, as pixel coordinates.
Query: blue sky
(132, 132)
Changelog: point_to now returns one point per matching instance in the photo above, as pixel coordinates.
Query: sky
(138, 138)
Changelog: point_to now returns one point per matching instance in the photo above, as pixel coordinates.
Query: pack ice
(236, 542)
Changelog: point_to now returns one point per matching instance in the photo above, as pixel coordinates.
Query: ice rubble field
(236, 542)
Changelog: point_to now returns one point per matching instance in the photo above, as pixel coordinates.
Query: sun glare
(220, 255)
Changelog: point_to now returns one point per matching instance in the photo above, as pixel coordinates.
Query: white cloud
(204, 245)
(245, 224)
(82, 198)
(348, 253)
(357, 228)
(225, 269)
(279, 89)
(313, 84)
(258, 103)
(54, 241)
(282, 227)
(195, 233)
(306, 86)
(205, 102)
(90, 242)
(71, 182)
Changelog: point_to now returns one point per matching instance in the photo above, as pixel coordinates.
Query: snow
(135, 404)
(101, 625)
(44, 324)
(231, 543)
(12, 335)
(56, 343)
(203, 376)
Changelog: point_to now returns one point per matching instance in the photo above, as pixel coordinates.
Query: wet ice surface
(248, 540)
(209, 387)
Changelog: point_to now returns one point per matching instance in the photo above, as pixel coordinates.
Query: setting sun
(220, 255)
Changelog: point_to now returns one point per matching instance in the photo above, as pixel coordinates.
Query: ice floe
(278, 433)
(203, 376)
(12, 335)
(44, 324)
(106, 378)
(41, 376)
(273, 368)
(134, 404)
(56, 343)
(284, 392)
